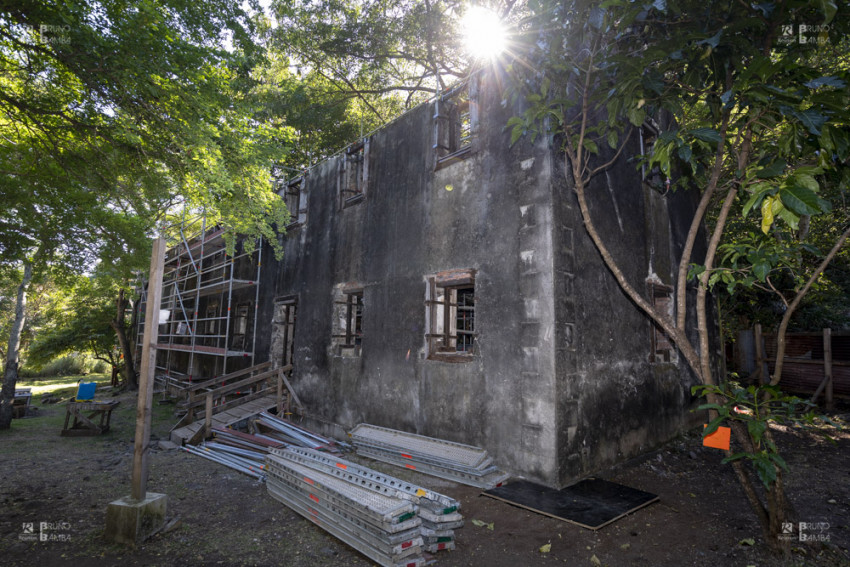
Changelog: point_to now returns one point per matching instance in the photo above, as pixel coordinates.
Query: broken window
(296, 201)
(651, 175)
(661, 297)
(450, 329)
(283, 340)
(348, 322)
(455, 123)
(240, 326)
(211, 324)
(353, 173)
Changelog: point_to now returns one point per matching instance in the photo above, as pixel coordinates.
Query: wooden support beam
(280, 393)
(146, 375)
(762, 375)
(208, 416)
(827, 367)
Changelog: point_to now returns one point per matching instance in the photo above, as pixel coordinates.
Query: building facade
(438, 280)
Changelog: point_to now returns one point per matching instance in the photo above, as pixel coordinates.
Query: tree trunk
(117, 323)
(10, 374)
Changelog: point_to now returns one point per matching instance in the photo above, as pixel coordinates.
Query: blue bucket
(85, 391)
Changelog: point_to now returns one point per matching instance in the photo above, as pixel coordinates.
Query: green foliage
(79, 323)
(174, 124)
(757, 408)
(374, 47)
(69, 365)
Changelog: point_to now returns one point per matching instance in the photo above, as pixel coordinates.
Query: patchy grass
(63, 386)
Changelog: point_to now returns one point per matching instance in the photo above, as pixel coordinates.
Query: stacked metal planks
(438, 513)
(445, 459)
(382, 526)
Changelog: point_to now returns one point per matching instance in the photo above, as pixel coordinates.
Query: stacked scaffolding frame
(197, 265)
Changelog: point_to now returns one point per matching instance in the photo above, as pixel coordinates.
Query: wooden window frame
(455, 124)
(446, 314)
(349, 341)
(294, 194)
(353, 173)
(290, 319)
(661, 297)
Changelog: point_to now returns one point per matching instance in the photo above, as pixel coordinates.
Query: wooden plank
(759, 373)
(208, 411)
(146, 375)
(292, 392)
(191, 433)
(827, 367)
(213, 381)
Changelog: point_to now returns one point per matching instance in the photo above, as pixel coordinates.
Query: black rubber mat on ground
(591, 503)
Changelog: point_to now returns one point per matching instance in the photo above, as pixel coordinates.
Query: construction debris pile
(269, 426)
(436, 457)
(240, 451)
(389, 520)
(246, 453)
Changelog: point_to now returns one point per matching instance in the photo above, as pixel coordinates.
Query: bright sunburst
(483, 33)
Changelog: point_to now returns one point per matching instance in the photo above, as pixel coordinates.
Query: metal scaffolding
(198, 267)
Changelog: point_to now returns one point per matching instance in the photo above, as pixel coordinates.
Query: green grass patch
(63, 386)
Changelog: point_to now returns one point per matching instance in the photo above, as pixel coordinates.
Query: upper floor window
(455, 124)
(353, 173)
(296, 201)
(450, 329)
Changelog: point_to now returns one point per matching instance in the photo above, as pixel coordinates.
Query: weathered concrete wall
(560, 383)
(490, 213)
(614, 402)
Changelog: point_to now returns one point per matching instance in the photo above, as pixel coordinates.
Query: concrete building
(438, 280)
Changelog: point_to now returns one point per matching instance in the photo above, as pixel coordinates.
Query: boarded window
(450, 302)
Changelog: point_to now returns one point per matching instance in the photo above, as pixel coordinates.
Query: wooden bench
(85, 425)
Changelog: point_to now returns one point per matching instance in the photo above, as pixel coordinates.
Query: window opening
(451, 315)
(296, 201)
(661, 297)
(455, 120)
(348, 327)
(353, 174)
(285, 323)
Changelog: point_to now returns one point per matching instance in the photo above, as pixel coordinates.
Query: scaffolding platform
(208, 312)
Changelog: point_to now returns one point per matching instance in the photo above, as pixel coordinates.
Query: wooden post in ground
(146, 377)
(827, 367)
(280, 394)
(133, 519)
(208, 413)
(760, 374)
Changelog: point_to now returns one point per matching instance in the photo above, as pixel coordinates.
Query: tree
(374, 48)
(85, 320)
(112, 112)
(752, 122)
(388, 55)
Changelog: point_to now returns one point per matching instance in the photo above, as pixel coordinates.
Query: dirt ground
(227, 519)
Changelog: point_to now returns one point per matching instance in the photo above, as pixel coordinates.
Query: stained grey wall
(560, 384)
(615, 402)
(490, 213)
